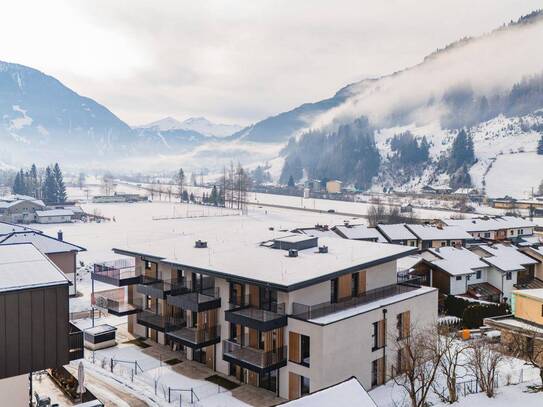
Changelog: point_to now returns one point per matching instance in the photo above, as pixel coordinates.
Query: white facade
(14, 391)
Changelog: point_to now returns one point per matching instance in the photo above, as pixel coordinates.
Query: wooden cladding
(344, 287)
(294, 386)
(254, 296)
(404, 324)
(378, 372)
(379, 334)
(294, 354)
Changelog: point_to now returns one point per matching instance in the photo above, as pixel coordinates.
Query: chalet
(19, 208)
(431, 236)
(494, 228)
(34, 329)
(438, 189)
(398, 234)
(291, 314)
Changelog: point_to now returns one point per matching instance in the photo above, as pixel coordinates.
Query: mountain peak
(198, 124)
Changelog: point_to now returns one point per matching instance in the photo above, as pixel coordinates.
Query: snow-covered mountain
(197, 124)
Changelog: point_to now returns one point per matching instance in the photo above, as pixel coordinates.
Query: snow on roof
(7, 228)
(488, 224)
(44, 243)
(396, 231)
(513, 322)
(407, 263)
(235, 249)
(23, 266)
(359, 232)
(370, 306)
(506, 258)
(318, 232)
(347, 393)
(10, 200)
(55, 212)
(457, 261)
(535, 293)
(431, 232)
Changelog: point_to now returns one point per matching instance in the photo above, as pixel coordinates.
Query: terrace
(251, 316)
(120, 273)
(196, 338)
(161, 323)
(254, 359)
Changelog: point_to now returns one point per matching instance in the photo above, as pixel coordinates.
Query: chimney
(200, 244)
(60, 235)
(292, 253)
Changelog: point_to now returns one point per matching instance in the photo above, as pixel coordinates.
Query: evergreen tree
(60, 194)
(191, 197)
(291, 181)
(540, 145)
(185, 195)
(461, 152)
(18, 186)
(33, 184)
(214, 198)
(49, 187)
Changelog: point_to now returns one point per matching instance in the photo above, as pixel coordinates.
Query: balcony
(196, 300)
(75, 342)
(119, 273)
(196, 338)
(116, 306)
(253, 359)
(309, 312)
(155, 288)
(159, 322)
(256, 318)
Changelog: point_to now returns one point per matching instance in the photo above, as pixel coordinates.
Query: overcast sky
(232, 61)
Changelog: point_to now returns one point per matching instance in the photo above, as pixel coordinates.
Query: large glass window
(354, 284)
(304, 382)
(333, 290)
(305, 349)
(268, 380)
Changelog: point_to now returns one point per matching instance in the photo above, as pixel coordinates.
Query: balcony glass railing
(159, 322)
(252, 356)
(308, 312)
(196, 336)
(120, 269)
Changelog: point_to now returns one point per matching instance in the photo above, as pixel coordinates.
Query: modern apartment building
(34, 330)
(287, 312)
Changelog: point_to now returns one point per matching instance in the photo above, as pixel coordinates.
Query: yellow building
(333, 186)
(528, 305)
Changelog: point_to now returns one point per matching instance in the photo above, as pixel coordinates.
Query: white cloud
(233, 61)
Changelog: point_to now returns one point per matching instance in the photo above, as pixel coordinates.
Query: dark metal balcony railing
(116, 272)
(182, 286)
(265, 318)
(196, 337)
(308, 312)
(118, 306)
(257, 358)
(75, 342)
(159, 322)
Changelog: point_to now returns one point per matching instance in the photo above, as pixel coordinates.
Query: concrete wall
(14, 391)
(458, 287)
(528, 308)
(344, 348)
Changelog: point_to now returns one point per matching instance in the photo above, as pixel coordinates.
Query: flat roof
(358, 232)
(55, 212)
(6, 228)
(534, 293)
(235, 251)
(23, 266)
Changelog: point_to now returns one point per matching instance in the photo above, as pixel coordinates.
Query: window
(508, 275)
(521, 231)
(512, 233)
(354, 284)
(468, 277)
(304, 386)
(411, 243)
(443, 244)
(487, 234)
(458, 278)
(147, 265)
(478, 274)
(378, 335)
(305, 349)
(333, 290)
(542, 310)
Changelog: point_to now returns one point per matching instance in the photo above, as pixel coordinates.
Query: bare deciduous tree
(483, 361)
(419, 356)
(451, 366)
(528, 346)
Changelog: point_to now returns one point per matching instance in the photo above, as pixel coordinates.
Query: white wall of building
(14, 391)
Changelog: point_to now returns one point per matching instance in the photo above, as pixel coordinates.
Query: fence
(133, 372)
(512, 377)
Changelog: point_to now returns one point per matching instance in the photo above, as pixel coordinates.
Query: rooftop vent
(297, 241)
(292, 253)
(200, 244)
(323, 249)
(271, 228)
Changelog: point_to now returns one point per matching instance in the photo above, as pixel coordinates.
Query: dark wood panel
(38, 328)
(2, 336)
(50, 325)
(62, 326)
(12, 335)
(25, 329)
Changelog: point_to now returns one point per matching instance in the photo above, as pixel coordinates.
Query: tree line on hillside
(47, 185)
(348, 154)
